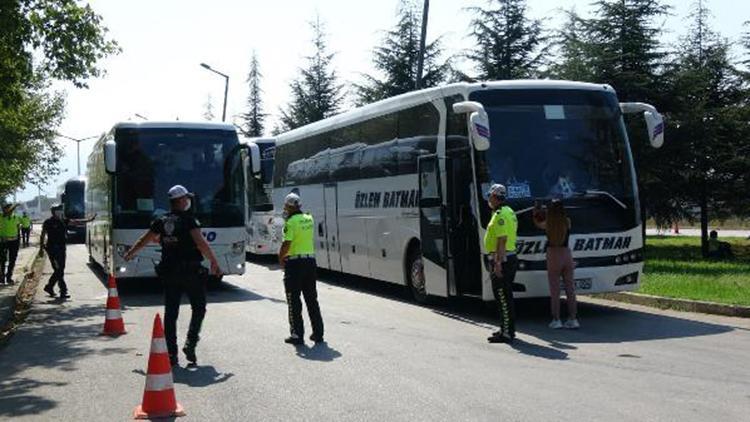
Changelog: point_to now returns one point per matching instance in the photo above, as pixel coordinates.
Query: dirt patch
(24, 296)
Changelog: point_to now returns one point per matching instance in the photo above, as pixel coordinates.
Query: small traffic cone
(158, 396)
(113, 323)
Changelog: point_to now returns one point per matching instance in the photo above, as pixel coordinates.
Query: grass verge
(674, 268)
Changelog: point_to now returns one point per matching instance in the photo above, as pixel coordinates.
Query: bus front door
(432, 227)
(331, 227)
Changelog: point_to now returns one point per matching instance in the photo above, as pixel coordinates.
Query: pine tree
(208, 109)
(625, 48)
(708, 122)
(621, 43)
(396, 59)
(316, 93)
(508, 44)
(254, 119)
(573, 51)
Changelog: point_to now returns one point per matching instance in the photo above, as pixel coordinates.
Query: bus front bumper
(588, 280)
(231, 261)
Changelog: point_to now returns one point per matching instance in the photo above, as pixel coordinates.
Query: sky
(158, 73)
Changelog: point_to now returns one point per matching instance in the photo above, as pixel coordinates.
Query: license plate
(579, 283)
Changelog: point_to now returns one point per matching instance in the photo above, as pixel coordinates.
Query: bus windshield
(73, 204)
(568, 144)
(206, 162)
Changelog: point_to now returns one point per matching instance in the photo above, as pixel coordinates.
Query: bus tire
(415, 275)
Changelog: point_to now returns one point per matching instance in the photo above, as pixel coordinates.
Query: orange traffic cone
(113, 323)
(158, 396)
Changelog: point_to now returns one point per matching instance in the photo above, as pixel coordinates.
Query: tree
(396, 59)
(573, 51)
(254, 119)
(316, 93)
(711, 123)
(40, 41)
(508, 44)
(620, 46)
(208, 109)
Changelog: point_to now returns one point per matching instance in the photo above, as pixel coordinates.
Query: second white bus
(397, 188)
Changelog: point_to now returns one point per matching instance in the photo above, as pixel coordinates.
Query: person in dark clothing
(52, 241)
(180, 268)
(297, 257)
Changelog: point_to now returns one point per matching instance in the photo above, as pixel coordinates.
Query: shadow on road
(321, 352)
(60, 334)
(199, 376)
(268, 261)
(538, 350)
(599, 323)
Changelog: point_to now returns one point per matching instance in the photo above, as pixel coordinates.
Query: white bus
(264, 226)
(397, 188)
(129, 172)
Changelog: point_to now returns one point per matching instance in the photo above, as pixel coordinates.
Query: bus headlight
(238, 248)
(122, 249)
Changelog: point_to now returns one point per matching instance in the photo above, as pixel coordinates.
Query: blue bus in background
(71, 196)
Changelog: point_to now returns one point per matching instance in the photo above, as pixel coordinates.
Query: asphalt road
(386, 359)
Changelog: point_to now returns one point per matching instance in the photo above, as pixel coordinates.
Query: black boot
(189, 351)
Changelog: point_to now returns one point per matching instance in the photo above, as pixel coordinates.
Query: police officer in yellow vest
(26, 226)
(500, 245)
(10, 224)
(297, 257)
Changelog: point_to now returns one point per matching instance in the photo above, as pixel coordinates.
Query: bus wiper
(607, 194)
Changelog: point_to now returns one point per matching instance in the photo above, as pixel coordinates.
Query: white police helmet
(293, 200)
(497, 190)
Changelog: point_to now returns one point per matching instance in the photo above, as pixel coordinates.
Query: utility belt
(8, 239)
(489, 259)
(304, 256)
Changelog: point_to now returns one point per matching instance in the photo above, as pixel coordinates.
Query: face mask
(57, 214)
(188, 204)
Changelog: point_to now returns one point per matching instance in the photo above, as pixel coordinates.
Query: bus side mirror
(655, 125)
(479, 123)
(110, 156)
(654, 121)
(254, 158)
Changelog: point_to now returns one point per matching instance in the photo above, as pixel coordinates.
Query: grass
(674, 268)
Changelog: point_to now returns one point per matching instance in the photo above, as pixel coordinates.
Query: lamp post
(422, 40)
(226, 88)
(78, 147)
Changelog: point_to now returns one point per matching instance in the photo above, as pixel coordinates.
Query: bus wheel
(415, 276)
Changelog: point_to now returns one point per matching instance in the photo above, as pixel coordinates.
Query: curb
(678, 304)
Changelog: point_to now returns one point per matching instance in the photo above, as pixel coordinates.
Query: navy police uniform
(181, 272)
(56, 229)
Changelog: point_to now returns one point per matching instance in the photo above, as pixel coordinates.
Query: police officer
(500, 245)
(26, 226)
(297, 257)
(52, 240)
(9, 242)
(180, 269)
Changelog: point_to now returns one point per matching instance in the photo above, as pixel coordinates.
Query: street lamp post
(78, 147)
(226, 88)
(422, 40)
